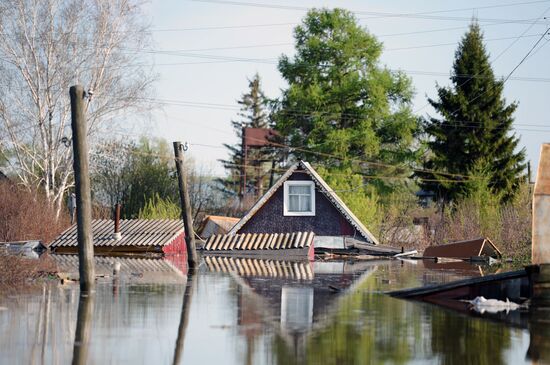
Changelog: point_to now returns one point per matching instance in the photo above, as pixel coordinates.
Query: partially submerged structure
(215, 224)
(464, 250)
(133, 236)
(301, 201)
(272, 245)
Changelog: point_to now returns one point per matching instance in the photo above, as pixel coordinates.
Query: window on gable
(299, 198)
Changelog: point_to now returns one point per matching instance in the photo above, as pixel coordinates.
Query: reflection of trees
(350, 336)
(459, 339)
(371, 328)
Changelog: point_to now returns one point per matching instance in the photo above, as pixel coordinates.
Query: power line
(381, 15)
(299, 113)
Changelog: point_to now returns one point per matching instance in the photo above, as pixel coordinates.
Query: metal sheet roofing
(258, 267)
(135, 232)
(323, 188)
(259, 241)
(464, 249)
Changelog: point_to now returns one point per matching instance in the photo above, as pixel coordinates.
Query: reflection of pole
(83, 328)
(184, 317)
(185, 206)
(82, 188)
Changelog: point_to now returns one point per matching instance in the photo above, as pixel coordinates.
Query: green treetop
(340, 101)
(474, 129)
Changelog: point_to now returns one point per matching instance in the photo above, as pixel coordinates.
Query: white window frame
(311, 185)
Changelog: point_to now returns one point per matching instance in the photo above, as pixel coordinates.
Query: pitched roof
(323, 188)
(464, 249)
(215, 224)
(135, 232)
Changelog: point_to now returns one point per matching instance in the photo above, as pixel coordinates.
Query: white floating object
(482, 305)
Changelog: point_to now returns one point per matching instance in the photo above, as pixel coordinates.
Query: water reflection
(256, 312)
(184, 317)
(83, 331)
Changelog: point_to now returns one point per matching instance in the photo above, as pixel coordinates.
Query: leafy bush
(159, 208)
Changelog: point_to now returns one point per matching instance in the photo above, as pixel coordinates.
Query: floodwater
(259, 312)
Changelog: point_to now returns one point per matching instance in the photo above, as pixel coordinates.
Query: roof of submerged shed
(134, 232)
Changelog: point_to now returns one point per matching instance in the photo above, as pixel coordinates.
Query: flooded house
(161, 236)
(299, 203)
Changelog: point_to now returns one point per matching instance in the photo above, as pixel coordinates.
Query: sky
(205, 50)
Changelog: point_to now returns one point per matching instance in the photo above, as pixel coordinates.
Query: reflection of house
(301, 201)
(214, 224)
(136, 235)
(293, 306)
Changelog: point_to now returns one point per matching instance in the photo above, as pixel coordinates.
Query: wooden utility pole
(82, 188)
(243, 162)
(185, 206)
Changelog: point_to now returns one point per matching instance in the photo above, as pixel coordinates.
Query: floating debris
(482, 305)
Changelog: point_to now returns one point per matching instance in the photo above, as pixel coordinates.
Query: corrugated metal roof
(258, 267)
(259, 241)
(464, 249)
(135, 232)
(323, 188)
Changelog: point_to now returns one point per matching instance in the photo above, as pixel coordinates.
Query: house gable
(332, 217)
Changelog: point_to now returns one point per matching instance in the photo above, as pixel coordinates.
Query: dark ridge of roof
(134, 232)
(259, 241)
(323, 187)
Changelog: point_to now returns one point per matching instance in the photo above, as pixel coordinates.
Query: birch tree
(45, 47)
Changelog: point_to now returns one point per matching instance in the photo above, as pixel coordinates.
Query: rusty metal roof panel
(464, 249)
(259, 241)
(135, 232)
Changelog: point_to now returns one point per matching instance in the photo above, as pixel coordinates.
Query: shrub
(159, 208)
(27, 215)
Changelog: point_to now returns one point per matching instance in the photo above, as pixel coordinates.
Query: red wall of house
(176, 247)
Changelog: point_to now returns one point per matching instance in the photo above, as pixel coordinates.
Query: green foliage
(151, 174)
(340, 101)
(159, 208)
(361, 199)
(475, 127)
(483, 214)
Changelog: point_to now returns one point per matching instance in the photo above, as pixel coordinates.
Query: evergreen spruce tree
(252, 115)
(474, 132)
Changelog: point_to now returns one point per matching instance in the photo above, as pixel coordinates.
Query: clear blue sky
(205, 51)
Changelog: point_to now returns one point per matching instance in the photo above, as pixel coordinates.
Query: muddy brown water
(261, 312)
